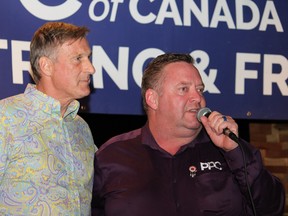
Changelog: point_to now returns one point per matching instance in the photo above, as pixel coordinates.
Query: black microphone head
(205, 111)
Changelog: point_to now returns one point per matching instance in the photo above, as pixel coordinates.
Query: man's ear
(46, 66)
(151, 97)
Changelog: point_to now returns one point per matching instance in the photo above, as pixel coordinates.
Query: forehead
(76, 43)
(181, 71)
(71, 46)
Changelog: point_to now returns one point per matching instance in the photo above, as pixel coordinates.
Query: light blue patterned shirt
(46, 160)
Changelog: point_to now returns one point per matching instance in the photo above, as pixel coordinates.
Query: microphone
(205, 111)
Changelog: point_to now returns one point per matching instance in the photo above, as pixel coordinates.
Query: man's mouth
(193, 110)
(86, 80)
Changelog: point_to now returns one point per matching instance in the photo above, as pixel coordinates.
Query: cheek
(178, 103)
(203, 102)
(65, 80)
(165, 104)
(70, 75)
(172, 103)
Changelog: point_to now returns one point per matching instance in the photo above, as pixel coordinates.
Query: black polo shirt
(134, 177)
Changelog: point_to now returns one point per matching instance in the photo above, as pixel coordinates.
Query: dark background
(105, 126)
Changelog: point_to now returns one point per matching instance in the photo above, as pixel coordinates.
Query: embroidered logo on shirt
(193, 171)
(210, 165)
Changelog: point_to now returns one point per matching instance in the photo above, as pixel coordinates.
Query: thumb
(204, 121)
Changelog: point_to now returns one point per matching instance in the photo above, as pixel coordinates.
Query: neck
(170, 139)
(64, 103)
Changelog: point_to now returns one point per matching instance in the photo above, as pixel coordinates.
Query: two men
(161, 169)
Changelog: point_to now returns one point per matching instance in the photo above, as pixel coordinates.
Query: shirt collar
(50, 105)
(148, 139)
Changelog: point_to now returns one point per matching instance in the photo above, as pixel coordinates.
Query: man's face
(72, 70)
(181, 95)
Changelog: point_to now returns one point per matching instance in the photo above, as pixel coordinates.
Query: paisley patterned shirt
(46, 160)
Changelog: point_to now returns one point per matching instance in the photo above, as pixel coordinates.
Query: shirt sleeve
(267, 191)
(3, 147)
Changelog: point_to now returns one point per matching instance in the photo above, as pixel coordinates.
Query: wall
(272, 140)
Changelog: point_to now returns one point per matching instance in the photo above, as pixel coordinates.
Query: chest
(187, 183)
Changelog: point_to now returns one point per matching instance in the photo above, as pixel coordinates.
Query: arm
(97, 205)
(267, 191)
(3, 148)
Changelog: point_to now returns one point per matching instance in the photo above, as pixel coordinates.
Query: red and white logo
(193, 171)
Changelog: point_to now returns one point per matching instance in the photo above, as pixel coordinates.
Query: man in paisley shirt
(46, 149)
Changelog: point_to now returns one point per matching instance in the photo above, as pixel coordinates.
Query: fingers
(215, 125)
(219, 122)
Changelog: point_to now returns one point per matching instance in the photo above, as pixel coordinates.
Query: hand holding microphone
(211, 126)
(219, 128)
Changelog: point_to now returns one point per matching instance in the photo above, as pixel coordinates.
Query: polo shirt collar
(148, 139)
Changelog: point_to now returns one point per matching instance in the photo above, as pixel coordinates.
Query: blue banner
(240, 48)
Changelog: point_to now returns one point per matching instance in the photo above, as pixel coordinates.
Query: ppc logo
(210, 165)
(51, 13)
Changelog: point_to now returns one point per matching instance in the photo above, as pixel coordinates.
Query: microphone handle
(230, 134)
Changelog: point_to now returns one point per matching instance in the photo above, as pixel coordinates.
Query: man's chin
(84, 94)
(194, 125)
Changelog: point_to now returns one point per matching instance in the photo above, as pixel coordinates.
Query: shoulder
(81, 121)
(16, 102)
(82, 126)
(121, 139)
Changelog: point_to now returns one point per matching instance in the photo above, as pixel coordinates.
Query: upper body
(45, 166)
(148, 169)
(46, 148)
(134, 176)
